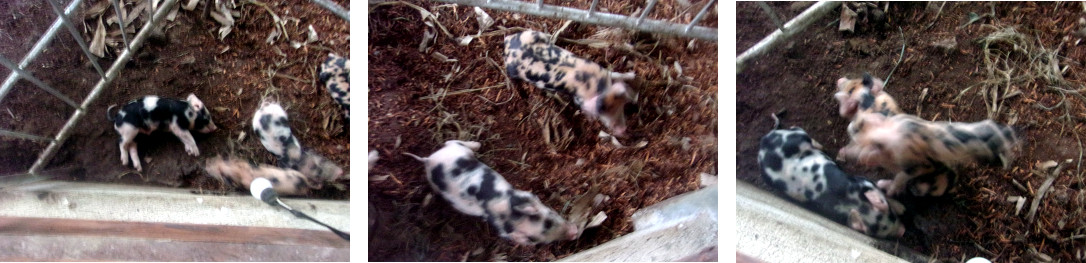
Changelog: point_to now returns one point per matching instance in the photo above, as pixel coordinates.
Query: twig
(1041, 193)
(445, 94)
(936, 16)
(901, 58)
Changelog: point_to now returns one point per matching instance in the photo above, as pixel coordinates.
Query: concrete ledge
(682, 227)
(109, 202)
(772, 229)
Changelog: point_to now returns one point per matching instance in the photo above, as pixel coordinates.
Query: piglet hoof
(884, 183)
(192, 150)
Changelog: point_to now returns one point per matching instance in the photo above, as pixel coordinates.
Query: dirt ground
(417, 102)
(977, 220)
(230, 76)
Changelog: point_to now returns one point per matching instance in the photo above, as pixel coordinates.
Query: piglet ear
(195, 102)
(855, 221)
(527, 208)
(873, 83)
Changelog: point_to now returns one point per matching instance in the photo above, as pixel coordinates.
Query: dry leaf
(312, 35)
(596, 220)
(484, 19)
(98, 43)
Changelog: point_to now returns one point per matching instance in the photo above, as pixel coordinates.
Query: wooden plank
(170, 231)
(89, 248)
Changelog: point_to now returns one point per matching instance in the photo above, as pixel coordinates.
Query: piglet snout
(572, 232)
(209, 128)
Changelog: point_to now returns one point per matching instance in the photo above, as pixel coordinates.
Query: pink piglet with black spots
(475, 189)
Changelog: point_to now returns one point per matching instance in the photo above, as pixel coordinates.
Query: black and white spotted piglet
(792, 163)
(474, 189)
(599, 92)
(151, 113)
(272, 127)
(335, 75)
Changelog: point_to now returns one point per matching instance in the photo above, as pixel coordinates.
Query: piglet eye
(547, 224)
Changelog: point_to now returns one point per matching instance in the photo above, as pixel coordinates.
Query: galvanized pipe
(772, 15)
(652, 3)
(604, 19)
(113, 71)
(37, 49)
(120, 17)
(700, 15)
(26, 75)
(592, 8)
(335, 8)
(78, 37)
(793, 26)
(23, 135)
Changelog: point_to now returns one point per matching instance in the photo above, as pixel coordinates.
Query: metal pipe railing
(700, 15)
(121, 16)
(23, 135)
(791, 28)
(36, 50)
(78, 38)
(597, 18)
(652, 3)
(335, 8)
(592, 8)
(159, 16)
(26, 75)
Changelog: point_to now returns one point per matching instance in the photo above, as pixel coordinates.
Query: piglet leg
(135, 156)
(186, 137)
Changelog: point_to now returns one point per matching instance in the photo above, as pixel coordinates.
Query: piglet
(599, 92)
(239, 173)
(272, 127)
(151, 113)
(792, 163)
(905, 144)
(335, 76)
(863, 95)
(474, 189)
